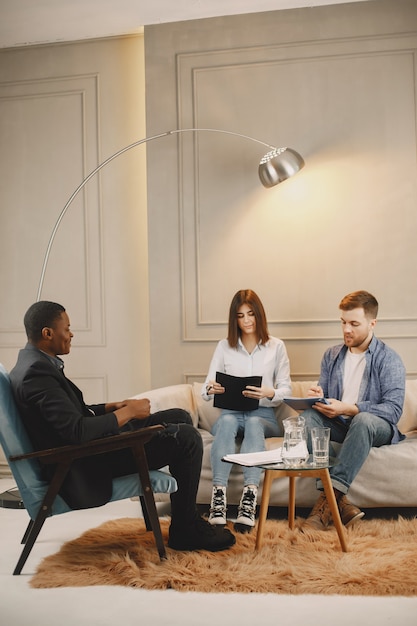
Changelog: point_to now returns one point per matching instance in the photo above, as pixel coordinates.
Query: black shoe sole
(192, 548)
(243, 528)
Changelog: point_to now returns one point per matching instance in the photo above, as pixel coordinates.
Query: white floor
(20, 605)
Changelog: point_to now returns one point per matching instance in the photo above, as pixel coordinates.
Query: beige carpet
(382, 560)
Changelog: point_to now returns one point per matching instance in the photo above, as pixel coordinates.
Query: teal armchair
(41, 499)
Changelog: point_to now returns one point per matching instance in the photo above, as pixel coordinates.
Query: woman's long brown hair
(249, 297)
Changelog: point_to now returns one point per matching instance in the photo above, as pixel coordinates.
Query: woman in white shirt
(248, 350)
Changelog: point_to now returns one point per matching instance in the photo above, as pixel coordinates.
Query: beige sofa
(387, 479)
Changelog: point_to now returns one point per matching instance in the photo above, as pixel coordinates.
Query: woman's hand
(258, 392)
(213, 387)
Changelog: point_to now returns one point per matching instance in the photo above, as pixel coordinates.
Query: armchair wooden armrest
(95, 446)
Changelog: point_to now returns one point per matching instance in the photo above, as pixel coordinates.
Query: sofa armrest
(173, 397)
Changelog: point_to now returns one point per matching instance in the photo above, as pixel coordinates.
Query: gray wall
(338, 84)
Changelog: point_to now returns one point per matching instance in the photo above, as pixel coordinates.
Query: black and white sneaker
(246, 512)
(217, 514)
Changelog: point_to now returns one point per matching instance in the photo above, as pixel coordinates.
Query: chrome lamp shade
(278, 165)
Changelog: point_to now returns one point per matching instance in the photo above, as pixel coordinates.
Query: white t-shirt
(352, 377)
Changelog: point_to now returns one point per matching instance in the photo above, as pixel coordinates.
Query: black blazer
(55, 414)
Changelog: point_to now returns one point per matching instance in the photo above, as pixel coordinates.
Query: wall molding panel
(68, 106)
(229, 72)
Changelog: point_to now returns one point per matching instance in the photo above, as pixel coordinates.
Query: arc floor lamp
(275, 167)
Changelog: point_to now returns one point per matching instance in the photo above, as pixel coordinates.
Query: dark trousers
(180, 448)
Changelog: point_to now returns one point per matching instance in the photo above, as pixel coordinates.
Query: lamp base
(11, 499)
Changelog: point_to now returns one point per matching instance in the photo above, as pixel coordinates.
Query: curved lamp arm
(276, 166)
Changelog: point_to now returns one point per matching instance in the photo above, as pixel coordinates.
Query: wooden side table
(305, 471)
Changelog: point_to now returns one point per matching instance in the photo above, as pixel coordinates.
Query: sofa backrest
(207, 414)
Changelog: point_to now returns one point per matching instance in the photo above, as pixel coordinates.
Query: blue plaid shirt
(382, 388)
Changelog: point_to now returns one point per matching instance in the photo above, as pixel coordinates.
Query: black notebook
(232, 397)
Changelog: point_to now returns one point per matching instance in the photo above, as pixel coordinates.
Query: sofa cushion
(388, 477)
(173, 397)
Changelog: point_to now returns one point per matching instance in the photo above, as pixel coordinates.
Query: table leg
(331, 500)
(263, 509)
(291, 503)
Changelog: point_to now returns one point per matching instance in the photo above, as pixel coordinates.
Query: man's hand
(334, 408)
(141, 408)
(130, 410)
(315, 392)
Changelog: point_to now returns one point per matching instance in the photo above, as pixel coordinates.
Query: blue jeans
(252, 427)
(364, 431)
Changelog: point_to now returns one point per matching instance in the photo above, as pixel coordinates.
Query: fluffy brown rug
(382, 560)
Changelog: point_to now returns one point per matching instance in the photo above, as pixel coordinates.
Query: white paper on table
(255, 458)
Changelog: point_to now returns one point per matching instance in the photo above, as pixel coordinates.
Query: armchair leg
(149, 511)
(27, 531)
(35, 526)
(31, 536)
(145, 513)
